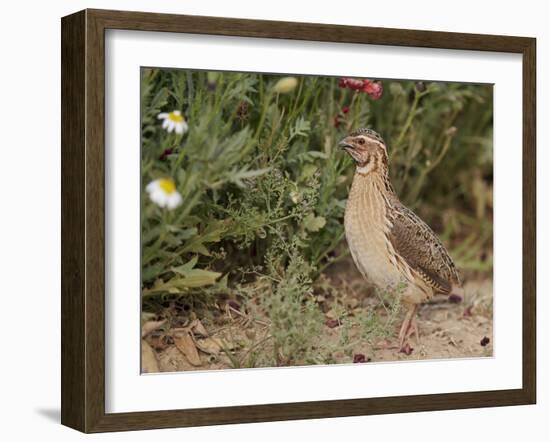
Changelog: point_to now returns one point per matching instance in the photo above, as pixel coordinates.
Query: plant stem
(262, 115)
(410, 118)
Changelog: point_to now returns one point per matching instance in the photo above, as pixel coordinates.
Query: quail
(391, 246)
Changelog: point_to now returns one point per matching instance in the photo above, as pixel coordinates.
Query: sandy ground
(447, 330)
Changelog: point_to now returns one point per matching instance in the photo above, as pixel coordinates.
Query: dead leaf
(184, 342)
(209, 346)
(159, 340)
(226, 342)
(352, 303)
(149, 363)
(171, 360)
(199, 329)
(150, 326)
(320, 299)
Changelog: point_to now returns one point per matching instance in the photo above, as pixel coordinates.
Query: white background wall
(30, 217)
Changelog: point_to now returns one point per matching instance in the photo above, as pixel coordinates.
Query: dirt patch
(240, 337)
(449, 330)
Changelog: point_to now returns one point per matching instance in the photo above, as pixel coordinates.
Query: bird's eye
(361, 141)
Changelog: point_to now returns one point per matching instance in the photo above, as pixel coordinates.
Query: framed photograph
(267, 220)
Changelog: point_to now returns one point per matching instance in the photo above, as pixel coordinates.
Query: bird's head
(368, 149)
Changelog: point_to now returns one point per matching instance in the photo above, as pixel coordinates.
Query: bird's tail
(456, 294)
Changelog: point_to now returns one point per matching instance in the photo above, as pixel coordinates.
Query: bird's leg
(409, 327)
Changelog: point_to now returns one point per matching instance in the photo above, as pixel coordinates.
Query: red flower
(373, 88)
(351, 83)
(345, 109)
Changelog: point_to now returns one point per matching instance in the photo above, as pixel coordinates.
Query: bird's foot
(386, 345)
(408, 328)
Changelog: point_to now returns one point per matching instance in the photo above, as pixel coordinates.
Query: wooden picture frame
(83, 220)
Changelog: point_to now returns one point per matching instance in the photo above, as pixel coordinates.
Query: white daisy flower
(163, 193)
(173, 121)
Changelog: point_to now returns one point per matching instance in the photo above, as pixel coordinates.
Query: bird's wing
(422, 250)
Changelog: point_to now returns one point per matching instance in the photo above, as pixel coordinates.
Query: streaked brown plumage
(391, 246)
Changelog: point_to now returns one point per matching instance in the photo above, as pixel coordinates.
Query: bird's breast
(367, 227)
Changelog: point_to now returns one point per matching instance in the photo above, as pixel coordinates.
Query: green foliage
(264, 185)
(294, 316)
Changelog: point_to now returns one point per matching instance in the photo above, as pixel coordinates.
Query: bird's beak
(344, 144)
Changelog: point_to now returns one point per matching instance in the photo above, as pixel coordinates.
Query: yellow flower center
(167, 185)
(176, 117)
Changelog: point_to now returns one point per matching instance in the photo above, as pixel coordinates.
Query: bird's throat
(364, 169)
